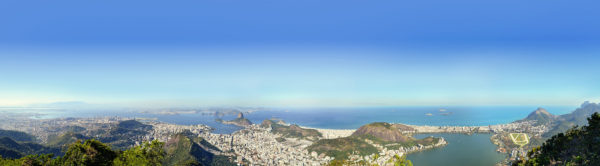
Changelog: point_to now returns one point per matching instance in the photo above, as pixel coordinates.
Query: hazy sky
(300, 53)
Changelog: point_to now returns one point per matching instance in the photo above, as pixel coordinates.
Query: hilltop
(184, 149)
(10, 148)
(17, 135)
(371, 138)
(65, 139)
(291, 131)
(124, 134)
(541, 116)
(382, 131)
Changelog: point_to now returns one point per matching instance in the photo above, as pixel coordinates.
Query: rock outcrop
(239, 121)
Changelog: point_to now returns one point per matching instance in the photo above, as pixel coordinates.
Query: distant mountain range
(562, 123)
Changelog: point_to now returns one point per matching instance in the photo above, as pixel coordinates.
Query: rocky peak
(240, 115)
(541, 116)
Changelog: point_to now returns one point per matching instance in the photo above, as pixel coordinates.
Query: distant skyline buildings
(300, 53)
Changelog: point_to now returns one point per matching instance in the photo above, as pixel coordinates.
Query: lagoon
(462, 150)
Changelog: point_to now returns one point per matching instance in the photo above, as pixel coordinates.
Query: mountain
(341, 148)
(10, 148)
(17, 135)
(578, 146)
(133, 125)
(239, 121)
(125, 134)
(579, 116)
(575, 118)
(65, 139)
(182, 149)
(383, 131)
(362, 140)
(293, 131)
(541, 116)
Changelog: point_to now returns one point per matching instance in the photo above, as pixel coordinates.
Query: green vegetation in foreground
(183, 150)
(293, 131)
(577, 146)
(93, 152)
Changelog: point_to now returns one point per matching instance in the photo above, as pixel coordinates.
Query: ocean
(340, 118)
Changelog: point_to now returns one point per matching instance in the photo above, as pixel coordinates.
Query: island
(239, 121)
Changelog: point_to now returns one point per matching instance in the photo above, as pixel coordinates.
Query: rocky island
(239, 121)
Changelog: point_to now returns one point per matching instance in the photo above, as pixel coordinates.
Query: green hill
(17, 135)
(341, 148)
(183, 150)
(93, 152)
(575, 118)
(577, 146)
(133, 125)
(10, 148)
(292, 131)
(124, 135)
(381, 133)
(65, 139)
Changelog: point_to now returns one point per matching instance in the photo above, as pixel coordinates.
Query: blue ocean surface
(337, 118)
(352, 118)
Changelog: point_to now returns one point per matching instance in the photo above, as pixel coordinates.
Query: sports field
(520, 139)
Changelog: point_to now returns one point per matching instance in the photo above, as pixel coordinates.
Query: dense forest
(93, 152)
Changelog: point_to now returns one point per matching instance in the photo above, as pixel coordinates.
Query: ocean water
(338, 118)
(352, 118)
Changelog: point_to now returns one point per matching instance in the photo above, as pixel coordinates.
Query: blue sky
(300, 53)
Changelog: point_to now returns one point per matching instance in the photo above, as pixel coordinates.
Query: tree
(577, 146)
(149, 154)
(95, 153)
(91, 152)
